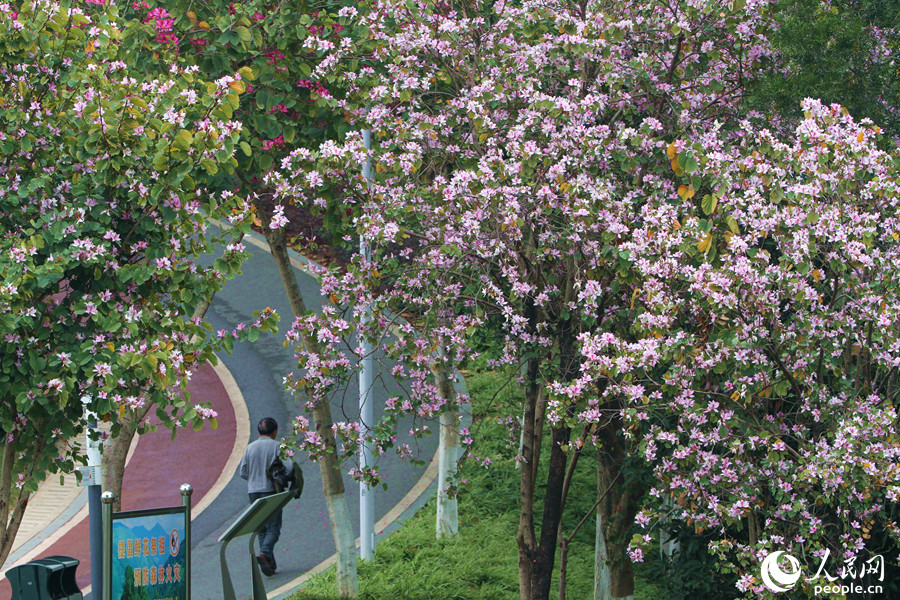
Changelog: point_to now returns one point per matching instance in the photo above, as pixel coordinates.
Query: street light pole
(366, 377)
(92, 477)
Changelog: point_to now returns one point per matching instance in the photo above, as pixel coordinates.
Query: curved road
(258, 369)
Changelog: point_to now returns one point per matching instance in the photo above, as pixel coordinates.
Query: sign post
(186, 491)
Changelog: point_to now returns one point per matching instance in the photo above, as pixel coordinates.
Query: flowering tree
(759, 373)
(273, 50)
(101, 222)
(515, 146)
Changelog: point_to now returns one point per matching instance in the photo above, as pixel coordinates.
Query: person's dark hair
(267, 426)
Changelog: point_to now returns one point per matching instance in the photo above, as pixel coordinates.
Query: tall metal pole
(186, 491)
(107, 500)
(93, 473)
(366, 377)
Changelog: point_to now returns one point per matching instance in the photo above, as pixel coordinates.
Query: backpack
(282, 480)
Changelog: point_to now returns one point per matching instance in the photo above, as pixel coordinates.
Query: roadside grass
(481, 562)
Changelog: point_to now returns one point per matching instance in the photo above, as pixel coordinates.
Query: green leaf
(709, 203)
(451, 250)
(247, 73)
(688, 162)
(160, 162)
(210, 166)
(226, 109)
(732, 225)
(183, 140)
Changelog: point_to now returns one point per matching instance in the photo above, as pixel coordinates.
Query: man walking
(258, 457)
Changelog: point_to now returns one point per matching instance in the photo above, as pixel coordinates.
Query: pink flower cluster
(273, 56)
(275, 143)
(163, 24)
(314, 87)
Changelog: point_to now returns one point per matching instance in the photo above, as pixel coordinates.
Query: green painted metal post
(106, 499)
(186, 491)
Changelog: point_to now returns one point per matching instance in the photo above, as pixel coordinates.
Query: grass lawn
(479, 564)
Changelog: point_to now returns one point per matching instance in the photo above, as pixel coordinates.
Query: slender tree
(270, 50)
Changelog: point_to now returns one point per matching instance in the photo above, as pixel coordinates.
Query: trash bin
(50, 578)
(68, 585)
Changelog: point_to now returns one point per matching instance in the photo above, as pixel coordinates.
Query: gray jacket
(258, 457)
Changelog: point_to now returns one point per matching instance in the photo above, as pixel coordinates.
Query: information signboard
(149, 555)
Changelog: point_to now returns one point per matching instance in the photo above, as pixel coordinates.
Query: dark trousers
(269, 532)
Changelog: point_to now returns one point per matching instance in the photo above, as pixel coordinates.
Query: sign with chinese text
(148, 555)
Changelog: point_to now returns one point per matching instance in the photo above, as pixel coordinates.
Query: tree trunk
(11, 512)
(525, 537)
(11, 525)
(537, 556)
(332, 482)
(447, 523)
(544, 557)
(115, 452)
(539, 411)
(614, 577)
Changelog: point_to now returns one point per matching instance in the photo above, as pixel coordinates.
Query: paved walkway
(245, 387)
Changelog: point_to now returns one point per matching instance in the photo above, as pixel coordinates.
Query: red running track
(158, 468)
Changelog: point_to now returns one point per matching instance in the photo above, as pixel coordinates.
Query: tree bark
(525, 537)
(544, 558)
(447, 522)
(11, 513)
(539, 412)
(614, 577)
(332, 482)
(537, 555)
(115, 452)
(12, 525)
